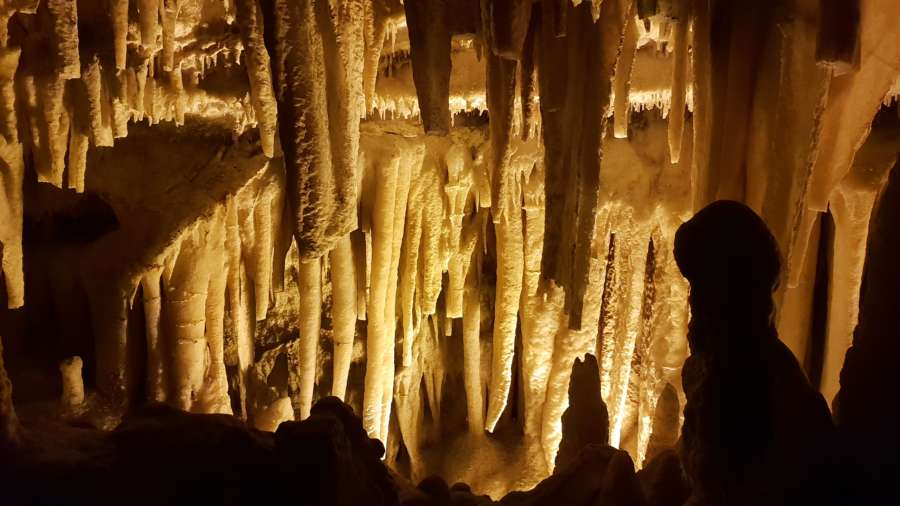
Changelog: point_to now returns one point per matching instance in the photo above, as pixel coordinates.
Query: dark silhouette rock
(866, 411)
(586, 420)
(600, 474)
(662, 480)
(755, 431)
(333, 458)
(161, 455)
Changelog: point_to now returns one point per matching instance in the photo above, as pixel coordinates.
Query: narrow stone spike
(429, 38)
(310, 314)
(259, 72)
(679, 80)
(622, 104)
(343, 282)
(119, 13)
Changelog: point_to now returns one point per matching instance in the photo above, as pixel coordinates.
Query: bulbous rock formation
(755, 431)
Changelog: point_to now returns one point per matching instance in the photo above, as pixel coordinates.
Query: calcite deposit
(431, 210)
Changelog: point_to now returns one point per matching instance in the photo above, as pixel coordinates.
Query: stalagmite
(343, 312)
(622, 79)
(258, 71)
(679, 80)
(64, 18)
(119, 14)
(310, 314)
(12, 173)
(429, 38)
(72, 383)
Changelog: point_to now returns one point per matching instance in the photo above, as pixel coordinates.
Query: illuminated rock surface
(433, 210)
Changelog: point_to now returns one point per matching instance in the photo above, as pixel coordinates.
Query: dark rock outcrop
(755, 431)
(160, 455)
(600, 475)
(866, 411)
(586, 420)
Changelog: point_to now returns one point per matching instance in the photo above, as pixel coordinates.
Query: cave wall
(430, 210)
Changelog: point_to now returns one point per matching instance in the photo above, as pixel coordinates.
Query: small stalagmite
(72, 383)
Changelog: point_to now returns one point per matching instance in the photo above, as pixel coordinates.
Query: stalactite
(631, 262)
(387, 177)
(344, 49)
(261, 245)
(838, 40)
(79, 135)
(101, 130)
(343, 312)
(433, 211)
(472, 345)
(184, 317)
(53, 127)
(510, 266)
(168, 15)
(457, 191)
(152, 298)
(429, 38)
(851, 205)
(310, 314)
(294, 38)
(409, 273)
(259, 72)
(214, 396)
(584, 102)
(12, 174)
(411, 160)
(508, 26)
(570, 344)
(9, 63)
(621, 85)
(119, 14)
(64, 19)
(679, 80)
(149, 22)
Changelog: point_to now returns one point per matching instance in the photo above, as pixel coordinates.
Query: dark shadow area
(755, 430)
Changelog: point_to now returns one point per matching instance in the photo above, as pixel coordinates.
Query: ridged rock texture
(432, 210)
